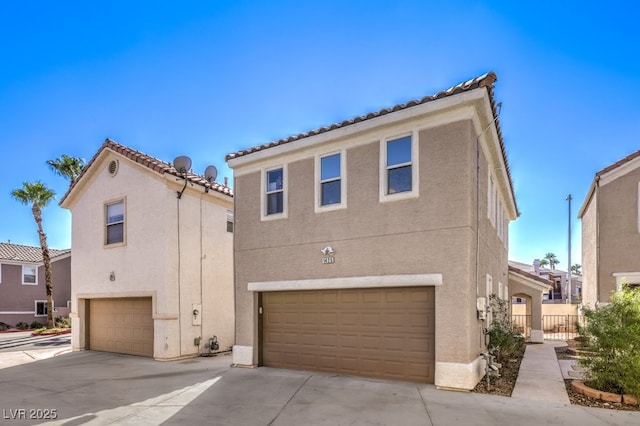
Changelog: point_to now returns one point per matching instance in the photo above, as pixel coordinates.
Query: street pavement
(98, 388)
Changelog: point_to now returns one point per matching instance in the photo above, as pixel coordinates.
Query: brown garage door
(382, 332)
(123, 325)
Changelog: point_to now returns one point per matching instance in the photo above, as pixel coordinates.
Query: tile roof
(152, 163)
(20, 253)
(618, 163)
(530, 275)
(486, 80)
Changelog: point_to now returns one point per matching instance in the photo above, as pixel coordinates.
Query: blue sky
(206, 78)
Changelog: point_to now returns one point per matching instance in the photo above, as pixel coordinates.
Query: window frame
(230, 221)
(35, 275)
(264, 193)
(44, 302)
(384, 195)
(319, 207)
(106, 223)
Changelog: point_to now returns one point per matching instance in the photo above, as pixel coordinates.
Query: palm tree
(553, 260)
(67, 166)
(38, 195)
(544, 262)
(576, 269)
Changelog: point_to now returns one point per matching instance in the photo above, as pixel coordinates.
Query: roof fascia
(527, 281)
(363, 126)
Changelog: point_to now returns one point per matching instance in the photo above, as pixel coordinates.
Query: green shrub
(4, 326)
(62, 322)
(504, 343)
(611, 337)
(36, 324)
(22, 325)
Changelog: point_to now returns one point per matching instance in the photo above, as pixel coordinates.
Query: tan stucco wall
(547, 309)
(151, 262)
(618, 229)
(433, 233)
(589, 253)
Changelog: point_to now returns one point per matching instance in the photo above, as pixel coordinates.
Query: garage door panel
(122, 325)
(386, 333)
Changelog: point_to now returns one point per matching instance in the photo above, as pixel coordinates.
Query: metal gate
(561, 327)
(555, 327)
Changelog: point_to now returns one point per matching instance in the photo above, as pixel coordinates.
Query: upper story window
(29, 275)
(399, 169)
(399, 165)
(330, 182)
(229, 220)
(274, 194)
(115, 223)
(275, 191)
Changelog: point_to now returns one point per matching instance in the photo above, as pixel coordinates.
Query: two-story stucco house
(152, 272)
(366, 247)
(23, 293)
(611, 230)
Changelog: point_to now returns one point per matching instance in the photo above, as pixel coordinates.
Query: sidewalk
(12, 359)
(540, 377)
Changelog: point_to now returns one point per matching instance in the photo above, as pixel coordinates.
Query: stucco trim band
(371, 281)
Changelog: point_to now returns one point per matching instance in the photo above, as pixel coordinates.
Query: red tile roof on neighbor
(152, 163)
(618, 163)
(486, 80)
(20, 253)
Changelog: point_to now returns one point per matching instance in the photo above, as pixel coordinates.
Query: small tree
(503, 342)
(612, 339)
(552, 259)
(576, 269)
(38, 195)
(67, 167)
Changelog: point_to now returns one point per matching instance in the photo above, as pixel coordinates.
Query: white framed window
(330, 188)
(229, 220)
(491, 200)
(489, 286)
(274, 193)
(29, 275)
(114, 223)
(41, 308)
(399, 167)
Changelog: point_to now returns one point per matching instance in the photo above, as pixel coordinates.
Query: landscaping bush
(62, 322)
(504, 343)
(611, 339)
(4, 326)
(36, 324)
(22, 326)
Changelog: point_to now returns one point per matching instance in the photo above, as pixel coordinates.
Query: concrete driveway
(98, 388)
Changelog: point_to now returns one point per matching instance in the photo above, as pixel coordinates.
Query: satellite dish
(210, 173)
(182, 164)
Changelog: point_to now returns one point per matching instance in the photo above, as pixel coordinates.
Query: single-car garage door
(123, 325)
(378, 332)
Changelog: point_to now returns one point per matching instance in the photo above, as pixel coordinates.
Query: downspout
(498, 107)
(179, 283)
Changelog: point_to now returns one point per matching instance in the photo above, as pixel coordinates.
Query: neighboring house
(23, 293)
(528, 287)
(611, 230)
(366, 247)
(152, 271)
(557, 293)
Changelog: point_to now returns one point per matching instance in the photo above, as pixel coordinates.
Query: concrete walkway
(540, 377)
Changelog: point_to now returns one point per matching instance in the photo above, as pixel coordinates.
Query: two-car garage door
(377, 332)
(122, 325)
